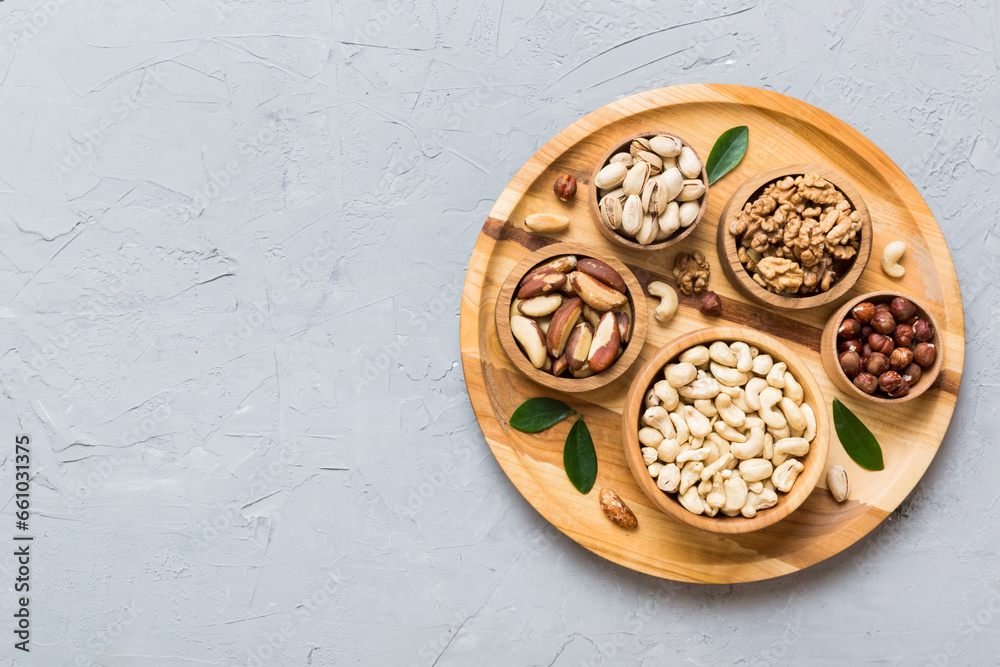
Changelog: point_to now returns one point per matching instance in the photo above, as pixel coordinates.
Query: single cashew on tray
(725, 429)
(798, 235)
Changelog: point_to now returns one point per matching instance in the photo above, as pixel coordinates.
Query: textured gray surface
(232, 239)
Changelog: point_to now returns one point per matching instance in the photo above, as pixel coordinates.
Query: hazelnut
(849, 328)
(924, 354)
(903, 335)
(881, 308)
(890, 381)
(923, 330)
(902, 390)
(877, 363)
(902, 309)
(863, 312)
(900, 358)
(911, 373)
(866, 331)
(911, 320)
(866, 351)
(710, 304)
(884, 323)
(866, 382)
(565, 187)
(851, 344)
(880, 343)
(851, 363)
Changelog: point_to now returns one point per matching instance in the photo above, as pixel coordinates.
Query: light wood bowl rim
(622, 240)
(814, 462)
(829, 356)
(740, 277)
(640, 317)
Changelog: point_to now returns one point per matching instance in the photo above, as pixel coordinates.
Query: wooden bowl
(570, 384)
(814, 462)
(624, 241)
(828, 351)
(739, 276)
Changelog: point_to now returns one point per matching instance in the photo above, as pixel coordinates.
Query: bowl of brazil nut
(649, 191)
(725, 429)
(882, 347)
(795, 237)
(571, 318)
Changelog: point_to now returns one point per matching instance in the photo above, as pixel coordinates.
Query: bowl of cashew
(725, 430)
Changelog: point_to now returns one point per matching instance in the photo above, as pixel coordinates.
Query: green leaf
(858, 441)
(538, 414)
(579, 457)
(727, 152)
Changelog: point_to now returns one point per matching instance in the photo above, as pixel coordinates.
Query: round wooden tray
(782, 131)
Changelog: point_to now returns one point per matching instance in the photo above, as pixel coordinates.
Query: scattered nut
(616, 509)
(692, 272)
(565, 187)
(710, 304)
(546, 223)
(668, 301)
(890, 259)
(836, 479)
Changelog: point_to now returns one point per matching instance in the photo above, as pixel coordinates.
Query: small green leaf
(579, 457)
(727, 152)
(538, 414)
(858, 441)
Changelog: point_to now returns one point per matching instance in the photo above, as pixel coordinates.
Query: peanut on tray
(725, 428)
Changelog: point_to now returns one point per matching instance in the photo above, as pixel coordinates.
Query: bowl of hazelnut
(795, 237)
(883, 347)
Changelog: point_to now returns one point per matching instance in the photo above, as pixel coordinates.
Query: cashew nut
(697, 355)
(767, 451)
(756, 487)
(780, 432)
(792, 446)
(793, 389)
(648, 455)
(681, 374)
(650, 399)
(699, 454)
(683, 434)
(716, 466)
(691, 501)
(762, 364)
(650, 437)
(720, 443)
(668, 450)
(752, 447)
(728, 376)
(666, 394)
(720, 353)
(654, 468)
(716, 498)
(706, 407)
(753, 470)
(669, 478)
(729, 433)
(658, 418)
(729, 413)
(759, 501)
(810, 416)
(890, 259)
(751, 392)
(784, 476)
(736, 495)
(796, 420)
(705, 387)
(768, 399)
(776, 376)
(740, 401)
(690, 475)
(697, 423)
(744, 360)
(668, 300)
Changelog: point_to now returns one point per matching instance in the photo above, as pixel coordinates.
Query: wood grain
(782, 131)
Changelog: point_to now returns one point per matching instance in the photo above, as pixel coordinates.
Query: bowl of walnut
(795, 237)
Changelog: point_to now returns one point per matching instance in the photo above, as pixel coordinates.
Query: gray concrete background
(232, 239)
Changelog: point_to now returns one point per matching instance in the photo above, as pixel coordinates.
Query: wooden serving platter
(782, 131)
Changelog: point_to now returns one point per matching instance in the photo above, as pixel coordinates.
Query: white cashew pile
(725, 429)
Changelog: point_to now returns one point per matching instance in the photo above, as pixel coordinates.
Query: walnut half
(692, 272)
